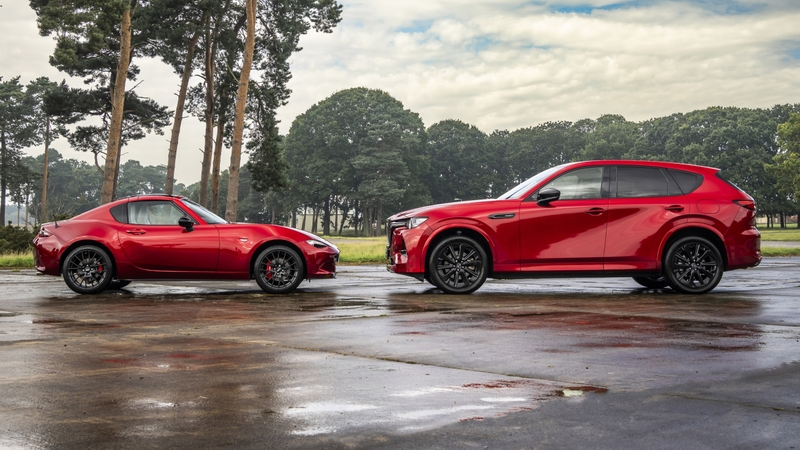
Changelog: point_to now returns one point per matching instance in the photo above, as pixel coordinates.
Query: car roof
(636, 162)
(150, 196)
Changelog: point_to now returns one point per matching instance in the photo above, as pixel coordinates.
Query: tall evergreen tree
(17, 131)
(97, 40)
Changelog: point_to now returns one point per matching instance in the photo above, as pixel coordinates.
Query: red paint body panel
(565, 235)
(621, 235)
(636, 230)
(209, 251)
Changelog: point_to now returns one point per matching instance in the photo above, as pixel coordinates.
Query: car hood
(453, 208)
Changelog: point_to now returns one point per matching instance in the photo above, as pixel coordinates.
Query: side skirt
(576, 274)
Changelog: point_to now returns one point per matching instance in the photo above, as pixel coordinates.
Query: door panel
(566, 235)
(636, 229)
(646, 204)
(171, 247)
(153, 241)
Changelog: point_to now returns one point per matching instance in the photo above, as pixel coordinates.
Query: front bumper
(321, 261)
(406, 250)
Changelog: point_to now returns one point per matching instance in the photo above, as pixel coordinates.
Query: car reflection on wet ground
(371, 359)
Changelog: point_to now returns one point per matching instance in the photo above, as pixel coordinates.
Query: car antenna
(56, 223)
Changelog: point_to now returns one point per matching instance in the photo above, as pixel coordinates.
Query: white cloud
(507, 64)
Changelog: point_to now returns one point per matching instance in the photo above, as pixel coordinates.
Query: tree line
(101, 41)
(359, 155)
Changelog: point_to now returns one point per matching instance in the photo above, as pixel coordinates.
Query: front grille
(390, 227)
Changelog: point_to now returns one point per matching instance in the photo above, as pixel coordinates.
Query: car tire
(693, 265)
(118, 284)
(88, 269)
(458, 265)
(279, 269)
(659, 282)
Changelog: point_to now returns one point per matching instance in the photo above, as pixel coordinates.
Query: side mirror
(187, 223)
(548, 195)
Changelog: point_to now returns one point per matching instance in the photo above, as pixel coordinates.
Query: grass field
(353, 251)
(780, 234)
(16, 261)
(360, 250)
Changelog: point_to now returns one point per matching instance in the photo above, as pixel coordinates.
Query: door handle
(674, 208)
(136, 231)
(595, 211)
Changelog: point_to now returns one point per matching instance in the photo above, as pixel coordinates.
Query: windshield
(520, 189)
(205, 214)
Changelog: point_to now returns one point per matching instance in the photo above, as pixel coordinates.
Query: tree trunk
(209, 113)
(3, 176)
(294, 218)
(117, 109)
(116, 172)
(238, 123)
(344, 218)
(326, 217)
(176, 123)
(217, 160)
(44, 170)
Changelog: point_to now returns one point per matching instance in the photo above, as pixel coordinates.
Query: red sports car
(664, 224)
(171, 237)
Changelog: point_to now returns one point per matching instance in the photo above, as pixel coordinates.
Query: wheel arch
(699, 231)
(273, 242)
(77, 244)
(459, 230)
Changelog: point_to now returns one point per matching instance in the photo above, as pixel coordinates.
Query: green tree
(786, 167)
(358, 149)
(459, 162)
(17, 131)
(97, 40)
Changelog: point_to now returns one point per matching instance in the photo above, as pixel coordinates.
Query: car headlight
(416, 221)
(319, 244)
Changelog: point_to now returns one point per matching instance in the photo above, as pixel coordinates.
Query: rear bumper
(745, 250)
(46, 255)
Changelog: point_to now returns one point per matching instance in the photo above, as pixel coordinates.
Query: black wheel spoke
(87, 269)
(278, 269)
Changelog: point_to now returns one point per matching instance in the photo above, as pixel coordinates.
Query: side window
(120, 213)
(641, 182)
(583, 183)
(687, 181)
(154, 212)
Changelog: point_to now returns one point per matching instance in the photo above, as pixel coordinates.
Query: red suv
(664, 224)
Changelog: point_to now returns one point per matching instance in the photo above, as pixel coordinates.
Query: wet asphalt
(375, 360)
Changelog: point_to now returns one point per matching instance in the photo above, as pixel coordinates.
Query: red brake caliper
(268, 271)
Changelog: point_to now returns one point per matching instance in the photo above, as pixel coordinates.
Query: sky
(500, 64)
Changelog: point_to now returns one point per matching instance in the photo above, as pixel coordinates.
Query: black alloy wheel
(457, 265)
(118, 284)
(659, 282)
(87, 269)
(279, 269)
(693, 265)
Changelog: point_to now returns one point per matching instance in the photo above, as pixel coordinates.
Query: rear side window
(687, 181)
(120, 213)
(641, 182)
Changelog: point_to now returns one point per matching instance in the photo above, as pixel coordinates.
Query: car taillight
(747, 204)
